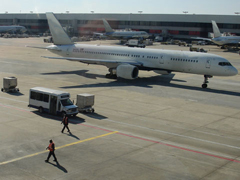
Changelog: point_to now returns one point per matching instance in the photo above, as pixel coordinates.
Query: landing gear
(204, 85)
(112, 74)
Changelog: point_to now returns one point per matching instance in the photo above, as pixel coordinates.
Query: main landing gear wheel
(204, 85)
(112, 74)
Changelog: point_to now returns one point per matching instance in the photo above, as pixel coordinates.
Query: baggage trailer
(85, 102)
(10, 84)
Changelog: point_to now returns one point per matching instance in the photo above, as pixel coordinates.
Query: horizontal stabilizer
(48, 48)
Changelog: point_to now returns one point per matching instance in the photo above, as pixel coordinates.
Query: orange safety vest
(65, 120)
(50, 147)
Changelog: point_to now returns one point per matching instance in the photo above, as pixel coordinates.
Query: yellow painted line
(35, 154)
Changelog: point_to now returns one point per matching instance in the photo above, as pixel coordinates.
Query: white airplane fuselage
(164, 61)
(4, 29)
(224, 40)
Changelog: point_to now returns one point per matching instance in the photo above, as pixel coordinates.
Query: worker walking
(51, 148)
(65, 123)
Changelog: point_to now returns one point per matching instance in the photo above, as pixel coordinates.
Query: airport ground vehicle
(134, 43)
(48, 40)
(182, 43)
(85, 103)
(197, 49)
(201, 43)
(166, 43)
(158, 39)
(52, 101)
(10, 84)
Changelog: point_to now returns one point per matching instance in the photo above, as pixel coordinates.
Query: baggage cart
(85, 102)
(10, 84)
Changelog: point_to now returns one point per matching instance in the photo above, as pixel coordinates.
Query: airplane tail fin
(107, 26)
(215, 30)
(59, 35)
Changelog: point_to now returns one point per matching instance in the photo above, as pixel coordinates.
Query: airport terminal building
(166, 25)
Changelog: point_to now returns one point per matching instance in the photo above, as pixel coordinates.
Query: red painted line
(144, 139)
(178, 147)
(165, 144)
(18, 109)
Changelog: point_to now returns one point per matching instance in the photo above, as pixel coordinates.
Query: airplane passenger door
(68, 49)
(208, 63)
(161, 60)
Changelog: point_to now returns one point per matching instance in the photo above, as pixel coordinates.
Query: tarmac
(155, 127)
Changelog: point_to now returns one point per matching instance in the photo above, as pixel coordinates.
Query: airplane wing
(98, 61)
(202, 39)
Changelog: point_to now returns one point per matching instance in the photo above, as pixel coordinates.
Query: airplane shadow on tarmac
(59, 167)
(149, 82)
(83, 73)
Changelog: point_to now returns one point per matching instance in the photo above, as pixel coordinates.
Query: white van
(52, 101)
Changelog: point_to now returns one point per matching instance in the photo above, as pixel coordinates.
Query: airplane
(125, 63)
(224, 40)
(123, 34)
(5, 29)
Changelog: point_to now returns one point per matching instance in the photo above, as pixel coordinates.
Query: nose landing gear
(204, 85)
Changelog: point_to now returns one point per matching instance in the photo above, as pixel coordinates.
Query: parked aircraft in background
(13, 29)
(126, 62)
(224, 40)
(123, 34)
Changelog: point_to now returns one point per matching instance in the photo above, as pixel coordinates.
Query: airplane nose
(234, 71)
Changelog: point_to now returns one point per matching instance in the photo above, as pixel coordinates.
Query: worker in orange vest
(51, 148)
(65, 123)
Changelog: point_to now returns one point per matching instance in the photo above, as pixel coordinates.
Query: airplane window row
(152, 57)
(113, 54)
(224, 64)
(184, 60)
(136, 56)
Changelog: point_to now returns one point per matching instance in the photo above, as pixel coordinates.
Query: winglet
(59, 35)
(215, 30)
(107, 26)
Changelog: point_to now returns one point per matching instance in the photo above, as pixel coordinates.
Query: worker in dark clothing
(51, 148)
(65, 123)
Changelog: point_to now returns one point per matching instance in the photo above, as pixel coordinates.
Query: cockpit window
(224, 64)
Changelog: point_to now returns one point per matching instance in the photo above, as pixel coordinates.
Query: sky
(226, 7)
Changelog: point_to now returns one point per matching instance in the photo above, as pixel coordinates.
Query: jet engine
(127, 71)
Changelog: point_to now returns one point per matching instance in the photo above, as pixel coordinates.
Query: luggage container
(85, 102)
(9, 84)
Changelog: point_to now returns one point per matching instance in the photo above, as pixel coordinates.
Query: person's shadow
(59, 166)
(70, 134)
